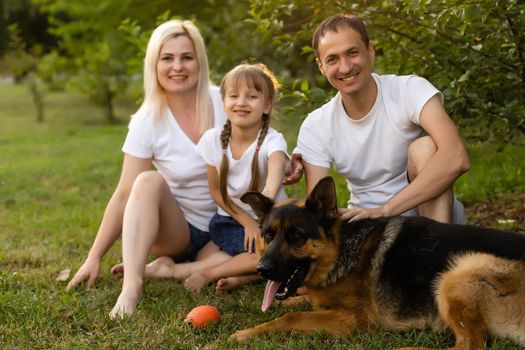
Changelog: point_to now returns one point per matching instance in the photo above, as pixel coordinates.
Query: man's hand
(353, 214)
(293, 170)
(90, 270)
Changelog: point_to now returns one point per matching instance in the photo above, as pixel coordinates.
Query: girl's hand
(89, 270)
(251, 232)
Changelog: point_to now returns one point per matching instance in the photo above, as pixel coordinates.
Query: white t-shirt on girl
(175, 157)
(371, 153)
(240, 170)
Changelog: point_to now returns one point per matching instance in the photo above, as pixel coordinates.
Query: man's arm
(313, 174)
(443, 168)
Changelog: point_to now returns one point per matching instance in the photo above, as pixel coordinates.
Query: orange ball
(202, 315)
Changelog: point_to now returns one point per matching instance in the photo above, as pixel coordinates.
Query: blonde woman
(164, 211)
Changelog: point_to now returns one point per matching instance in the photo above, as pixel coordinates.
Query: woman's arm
(111, 225)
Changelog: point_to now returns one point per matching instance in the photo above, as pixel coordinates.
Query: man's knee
(419, 153)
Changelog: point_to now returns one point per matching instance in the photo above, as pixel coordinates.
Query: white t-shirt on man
(371, 153)
(240, 170)
(175, 157)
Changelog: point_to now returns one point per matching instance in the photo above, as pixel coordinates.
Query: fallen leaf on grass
(63, 275)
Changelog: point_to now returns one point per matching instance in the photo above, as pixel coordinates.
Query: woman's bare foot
(163, 267)
(126, 303)
(117, 269)
(196, 282)
(230, 283)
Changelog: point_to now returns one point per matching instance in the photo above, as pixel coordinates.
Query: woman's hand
(251, 232)
(90, 270)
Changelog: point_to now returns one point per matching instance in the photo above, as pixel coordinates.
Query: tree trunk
(110, 111)
(36, 95)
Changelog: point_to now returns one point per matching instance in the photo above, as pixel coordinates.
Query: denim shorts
(198, 239)
(227, 234)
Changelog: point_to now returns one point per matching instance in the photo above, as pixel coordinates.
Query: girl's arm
(111, 225)
(276, 164)
(251, 227)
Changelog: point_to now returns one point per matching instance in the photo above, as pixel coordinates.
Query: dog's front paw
(245, 334)
(294, 301)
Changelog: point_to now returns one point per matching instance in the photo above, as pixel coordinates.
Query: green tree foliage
(32, 25)
(103, 42)
(93, 53)
(473, 51)
(23, 64)
(90, 56)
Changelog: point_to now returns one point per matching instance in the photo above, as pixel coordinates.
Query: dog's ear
(260, 204)
(323, 198)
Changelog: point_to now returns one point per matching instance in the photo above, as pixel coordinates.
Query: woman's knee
(419, 153)
(148, 183)
(148, 180)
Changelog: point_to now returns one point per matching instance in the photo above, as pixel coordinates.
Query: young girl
(243, 155)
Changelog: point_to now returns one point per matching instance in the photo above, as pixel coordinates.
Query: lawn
(55, 180)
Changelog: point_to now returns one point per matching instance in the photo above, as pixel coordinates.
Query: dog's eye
(295, 236)
(268, 235)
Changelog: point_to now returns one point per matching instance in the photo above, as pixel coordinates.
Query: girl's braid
(223, 176)
(255, 161)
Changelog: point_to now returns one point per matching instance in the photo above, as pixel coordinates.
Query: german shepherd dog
(391, 273)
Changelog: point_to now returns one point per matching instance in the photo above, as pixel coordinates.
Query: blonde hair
(259, 77)
(154, 96)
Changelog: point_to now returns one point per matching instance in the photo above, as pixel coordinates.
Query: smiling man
(388, 135)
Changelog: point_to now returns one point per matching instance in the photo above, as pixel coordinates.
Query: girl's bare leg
(152, 222)
(242, 264)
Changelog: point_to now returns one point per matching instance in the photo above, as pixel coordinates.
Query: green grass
(55, 180)
(494, 173)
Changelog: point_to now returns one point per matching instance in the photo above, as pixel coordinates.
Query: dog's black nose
(265, 269)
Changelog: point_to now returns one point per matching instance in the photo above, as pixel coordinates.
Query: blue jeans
(227, 234)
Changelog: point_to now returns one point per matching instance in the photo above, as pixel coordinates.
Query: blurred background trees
(472, 51)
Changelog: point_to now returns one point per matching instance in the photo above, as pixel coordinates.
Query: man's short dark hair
(333, 23)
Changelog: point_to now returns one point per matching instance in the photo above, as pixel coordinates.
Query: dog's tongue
(269, 294)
